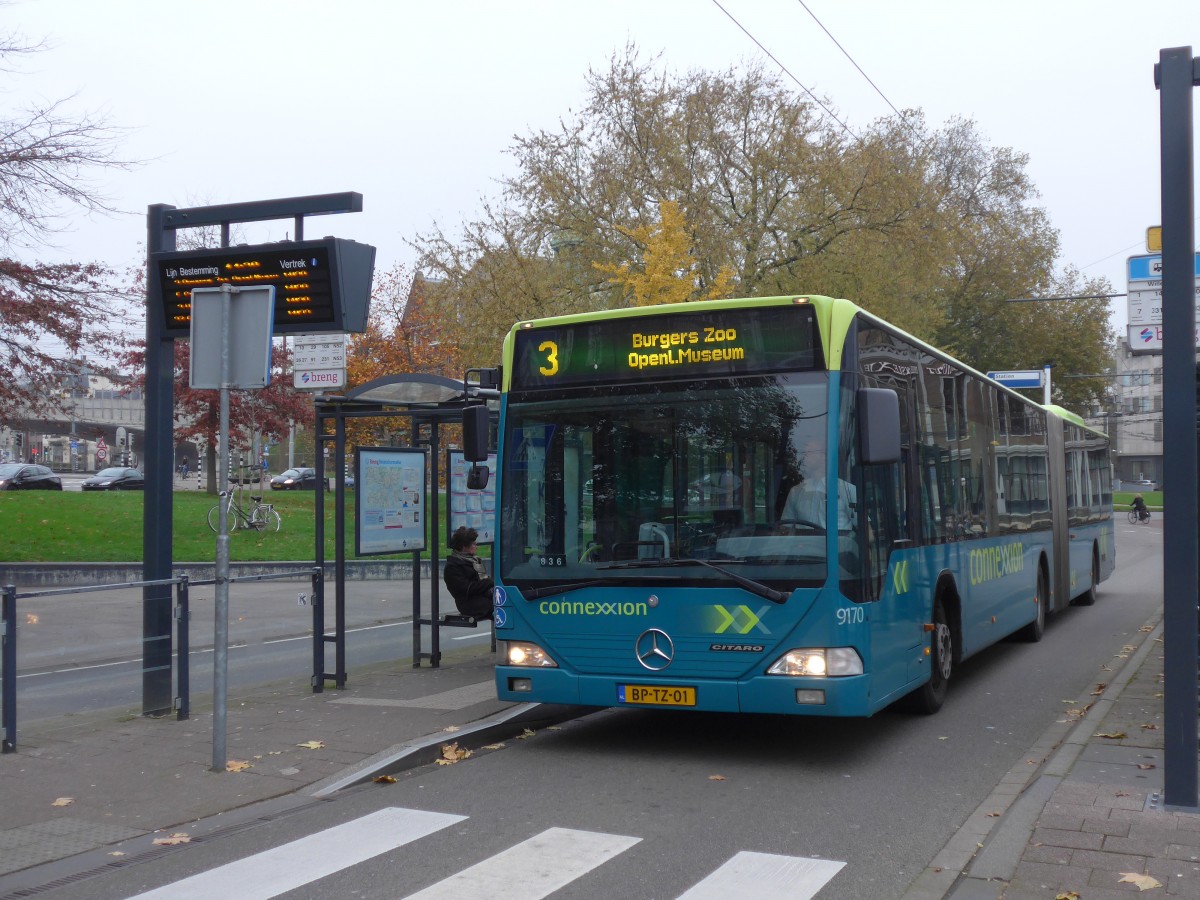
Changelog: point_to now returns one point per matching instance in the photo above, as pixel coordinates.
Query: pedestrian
(184, 470)
(466, 577)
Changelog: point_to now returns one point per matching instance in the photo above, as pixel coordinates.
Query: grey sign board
(237, 322)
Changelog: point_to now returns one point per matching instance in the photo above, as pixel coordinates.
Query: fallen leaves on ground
(179, 837)
(716, 777)
(385, 779)
(1067, 895)
(1150, 727)
(1100, 689)
(493, 747)
(237, 765)
(526, 734)
(1111, 735)
(312, 745)
(31, 619)
(1147, 766)
(451, 728)
(117, 853)
(1142, 882)
(63, 801)
(452, 753)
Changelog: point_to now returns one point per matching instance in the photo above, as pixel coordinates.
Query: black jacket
(472, 592)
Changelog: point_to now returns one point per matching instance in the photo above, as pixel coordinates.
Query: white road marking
(534, 868)
(766, 876)
(285, 868)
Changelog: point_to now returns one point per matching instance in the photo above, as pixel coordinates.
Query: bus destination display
(717, 343)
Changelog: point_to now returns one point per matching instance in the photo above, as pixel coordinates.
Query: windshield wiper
(767, 593)
(534, 593)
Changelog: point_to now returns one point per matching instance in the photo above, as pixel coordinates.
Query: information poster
(474, 509)
(390, 484)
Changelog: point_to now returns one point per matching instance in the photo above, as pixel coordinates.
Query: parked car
(28, 477)
(115, 478)
(294, 480)
(1143, 484)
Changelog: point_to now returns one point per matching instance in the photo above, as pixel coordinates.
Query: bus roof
(834, 315)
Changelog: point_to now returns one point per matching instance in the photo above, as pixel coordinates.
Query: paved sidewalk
(1079, 813)
(87, 792)
(1080, 817)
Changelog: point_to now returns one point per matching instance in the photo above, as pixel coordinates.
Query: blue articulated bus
(775, 505)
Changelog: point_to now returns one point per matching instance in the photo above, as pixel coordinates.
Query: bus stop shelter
(429, 403)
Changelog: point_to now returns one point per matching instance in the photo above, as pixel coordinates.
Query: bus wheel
(929, 698)
(1032, 633)
(1088, 597)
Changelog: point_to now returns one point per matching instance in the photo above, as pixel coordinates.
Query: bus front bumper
(775, 694)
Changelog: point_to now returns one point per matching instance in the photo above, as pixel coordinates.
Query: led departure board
(320, 286)
(713, 343)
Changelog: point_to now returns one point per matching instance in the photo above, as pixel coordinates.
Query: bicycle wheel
(1133, 517)
(214, 522)
(265, 518)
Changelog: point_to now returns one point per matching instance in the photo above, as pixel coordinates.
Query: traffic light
(20, 437)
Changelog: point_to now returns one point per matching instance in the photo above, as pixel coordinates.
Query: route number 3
(551, 350)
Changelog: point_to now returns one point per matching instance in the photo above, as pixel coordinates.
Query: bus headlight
(819, 661)
(523, 653)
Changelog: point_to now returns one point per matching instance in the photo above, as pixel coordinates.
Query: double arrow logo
(741, 620)
(900, 577)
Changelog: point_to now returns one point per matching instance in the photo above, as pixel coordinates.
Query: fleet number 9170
(851, 615)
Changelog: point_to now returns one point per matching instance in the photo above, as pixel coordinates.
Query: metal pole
(1046, 386)
(221, 596)
(1175, 76)
(157, 517)
(183, 619)
(318, 612)
(8, 667)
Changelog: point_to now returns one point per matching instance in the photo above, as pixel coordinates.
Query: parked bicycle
(261, 516)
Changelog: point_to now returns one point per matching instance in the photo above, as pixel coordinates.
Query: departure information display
(307, 276)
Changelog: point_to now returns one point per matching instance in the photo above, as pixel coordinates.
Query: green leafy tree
(930, 228)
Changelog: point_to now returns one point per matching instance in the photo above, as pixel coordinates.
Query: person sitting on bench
(466, 577)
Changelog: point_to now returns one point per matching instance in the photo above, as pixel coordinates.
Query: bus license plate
(656, 695)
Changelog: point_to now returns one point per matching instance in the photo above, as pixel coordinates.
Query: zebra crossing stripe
(766, 876)
(295, 864)
(531, 869)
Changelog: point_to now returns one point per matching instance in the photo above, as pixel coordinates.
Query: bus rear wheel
(930, 696)
(1088, 597)
(1032, 633)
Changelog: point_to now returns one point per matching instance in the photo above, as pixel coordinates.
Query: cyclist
(1139, 506)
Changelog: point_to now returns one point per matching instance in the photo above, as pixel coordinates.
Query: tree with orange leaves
(403, 335)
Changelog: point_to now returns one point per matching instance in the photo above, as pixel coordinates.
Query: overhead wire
(829, 112)
(846, 54)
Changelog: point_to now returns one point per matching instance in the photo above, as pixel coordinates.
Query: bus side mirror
(475, 425)
(878, 425)
(477, 477)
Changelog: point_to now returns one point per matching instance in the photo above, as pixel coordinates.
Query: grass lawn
(1122, 499)
(102, 526)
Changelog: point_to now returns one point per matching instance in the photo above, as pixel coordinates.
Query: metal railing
(180, 612)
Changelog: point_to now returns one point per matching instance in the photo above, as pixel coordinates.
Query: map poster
(390, 484)
(474, 509)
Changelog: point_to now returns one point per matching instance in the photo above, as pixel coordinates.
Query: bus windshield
(631, 484)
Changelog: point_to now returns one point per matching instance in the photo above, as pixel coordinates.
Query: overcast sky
(412, 104)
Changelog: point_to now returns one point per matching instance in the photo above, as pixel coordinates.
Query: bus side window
(886, 510)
